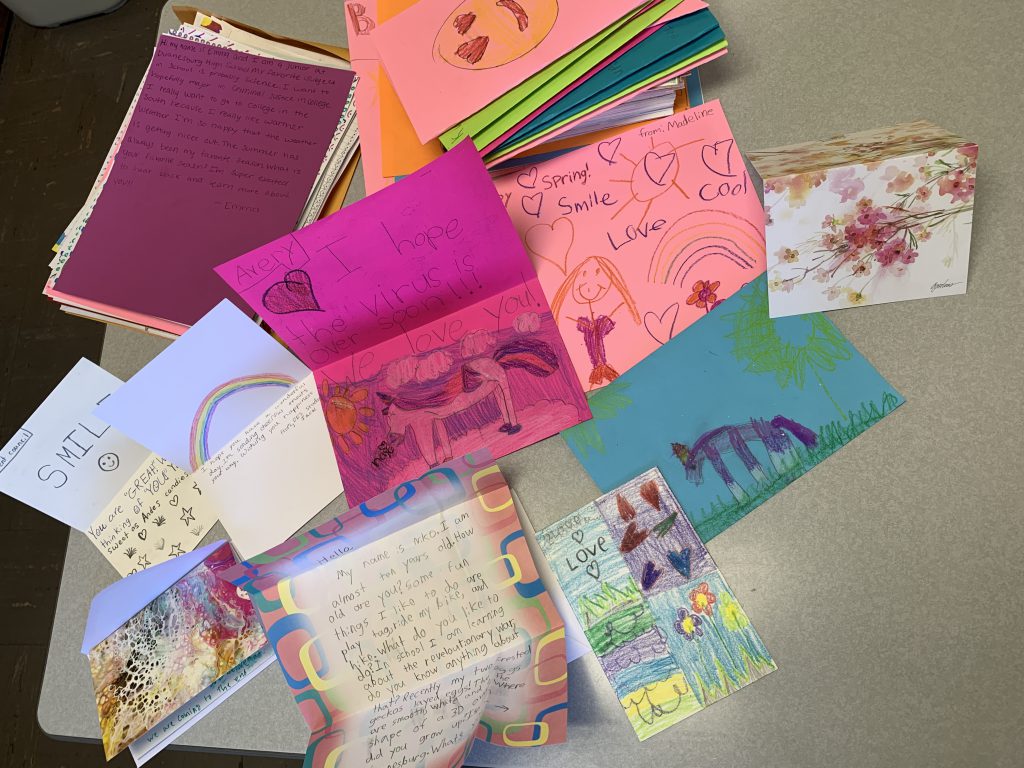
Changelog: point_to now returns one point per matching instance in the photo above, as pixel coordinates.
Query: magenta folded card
(220, 156)
(423, 318)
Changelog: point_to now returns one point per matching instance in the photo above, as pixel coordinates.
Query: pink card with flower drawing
(637, 237)
(867, 218)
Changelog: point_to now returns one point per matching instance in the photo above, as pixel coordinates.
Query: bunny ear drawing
(552, 242)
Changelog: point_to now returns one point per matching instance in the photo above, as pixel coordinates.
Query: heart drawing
(662, 327)
(530, 176)
(293, 294)
(594, 570)
(717, 157)
(531, 203)
(657, 167)
(552, 242)
(632, 538)
(649, 576)
(577, 536)
(606, 150)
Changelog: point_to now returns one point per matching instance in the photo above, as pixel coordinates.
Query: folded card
(425, 322)
(636, 237)
(415, 623)
(668, 631)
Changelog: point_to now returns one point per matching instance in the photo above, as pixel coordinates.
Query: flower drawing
(702, 599)
(704, 295)
(688, 624)
(873, 239)
(733, 616)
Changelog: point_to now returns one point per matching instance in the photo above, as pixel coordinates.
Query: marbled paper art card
(868, 218)
(416, 623)
(668, 631)
(190, 635)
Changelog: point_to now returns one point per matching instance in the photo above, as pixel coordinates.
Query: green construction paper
(674, 42)
(528, 96)
(506, 151)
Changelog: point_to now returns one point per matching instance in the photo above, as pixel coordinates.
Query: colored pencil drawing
(668, 648)
(502, 389)
(483, 34)
(637, 237)
(733, 410)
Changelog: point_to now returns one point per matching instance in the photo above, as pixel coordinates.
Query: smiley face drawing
(481, 34)
(108, 462)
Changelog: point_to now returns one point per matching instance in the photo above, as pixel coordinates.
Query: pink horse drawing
(422, 410)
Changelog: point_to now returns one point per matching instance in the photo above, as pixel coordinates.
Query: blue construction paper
(123, 599)
(675, 40)
(735, 367)
(211, 383)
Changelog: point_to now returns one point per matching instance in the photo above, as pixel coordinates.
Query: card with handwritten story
(668, 631)
(424, 320)
(734, 409)
(64, 461)
(636, 237)
(188, 637)
(207, 386)
(415, 623)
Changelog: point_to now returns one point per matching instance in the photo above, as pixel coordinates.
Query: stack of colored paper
(231, 139)
(513, 74)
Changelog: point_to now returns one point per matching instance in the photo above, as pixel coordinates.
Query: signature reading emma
(593, 281)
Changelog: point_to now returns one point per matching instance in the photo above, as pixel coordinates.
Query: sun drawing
(342, 408)
(654, 174)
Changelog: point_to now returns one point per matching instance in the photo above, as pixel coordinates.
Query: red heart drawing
(552, 242)
(658, 166)
(606, 150)
(531, 175)
(717, 157)
(661, 327)
(293, 294)
(532, 203)
(632, 538)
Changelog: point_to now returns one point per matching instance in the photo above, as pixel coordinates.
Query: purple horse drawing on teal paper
(773, 435)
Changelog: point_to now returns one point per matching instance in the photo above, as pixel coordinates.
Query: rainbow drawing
(199, 448)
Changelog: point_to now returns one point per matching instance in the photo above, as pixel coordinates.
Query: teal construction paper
(734, 408)
(675, 40)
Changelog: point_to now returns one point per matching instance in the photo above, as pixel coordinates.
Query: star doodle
(187, 516)
(143, 561)
(176, 550)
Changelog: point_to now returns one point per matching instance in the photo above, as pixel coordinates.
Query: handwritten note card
(667, 630)
(201, 391)
(424, 608)
(275, 474)
(637, 237)
(64, 461)
(161, 512)
(424, 320)
(227, 142)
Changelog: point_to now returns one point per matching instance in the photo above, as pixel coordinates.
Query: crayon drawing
(483, 34)
(637, 237)
(669, 634)
(753, 403)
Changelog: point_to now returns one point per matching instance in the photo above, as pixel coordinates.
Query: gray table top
(886, 582)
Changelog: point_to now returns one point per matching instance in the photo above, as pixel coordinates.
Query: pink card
(448, 59)
(425, 322)
(637, 237)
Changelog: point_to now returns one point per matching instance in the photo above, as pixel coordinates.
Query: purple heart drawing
(717, 157)
(657, 166)
(662, 327)
(649, 576)
(532, 203)
(293, 294)
(531, 175)
(606, 149)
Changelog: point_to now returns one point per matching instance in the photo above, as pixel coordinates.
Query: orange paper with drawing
(636, 237)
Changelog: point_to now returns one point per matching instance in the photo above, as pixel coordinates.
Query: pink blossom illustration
(844, 182)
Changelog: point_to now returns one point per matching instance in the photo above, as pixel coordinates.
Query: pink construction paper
(425, 322)
(439, 86)
(637, 237)
(219, 157)
(360, 20)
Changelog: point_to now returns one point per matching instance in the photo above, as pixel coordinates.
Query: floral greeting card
(668, 631)
(867, 218)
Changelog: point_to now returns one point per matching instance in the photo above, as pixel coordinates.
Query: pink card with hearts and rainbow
(637, 237)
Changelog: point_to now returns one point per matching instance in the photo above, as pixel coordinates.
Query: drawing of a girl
(589, 283)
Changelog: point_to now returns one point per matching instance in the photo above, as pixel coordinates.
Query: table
(886, 582)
